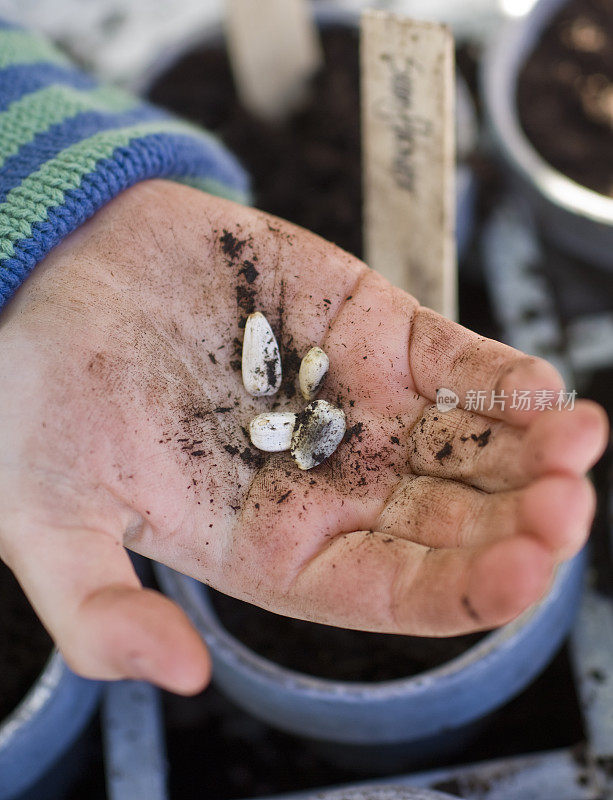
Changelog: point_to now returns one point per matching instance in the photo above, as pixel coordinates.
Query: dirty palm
(421, 522)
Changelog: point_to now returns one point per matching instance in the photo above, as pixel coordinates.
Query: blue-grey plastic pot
(438, 702)
(329, 14)
(571, 215)
(35, 736)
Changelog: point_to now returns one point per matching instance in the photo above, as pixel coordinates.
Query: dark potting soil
(334, 653)
(25, 645)
(307, 170)
(565, 93)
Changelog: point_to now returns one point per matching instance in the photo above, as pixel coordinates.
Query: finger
(439, 513)
(444, 354)
(84, 589)
(493, 456)
(557, 510)
(373, 581)
(367, 347)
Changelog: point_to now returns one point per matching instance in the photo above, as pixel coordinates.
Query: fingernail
(523, 385)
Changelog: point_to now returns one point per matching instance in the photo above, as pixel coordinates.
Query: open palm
(125, 422)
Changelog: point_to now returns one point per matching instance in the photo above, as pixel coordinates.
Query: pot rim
(193, 598)
(37, 696)
(502, 61)
(40, 729)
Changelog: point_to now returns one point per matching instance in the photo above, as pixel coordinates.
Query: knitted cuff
(69, 145)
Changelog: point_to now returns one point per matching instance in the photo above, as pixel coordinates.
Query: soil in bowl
(334, 653)
(307, 170)
(25, 645)
(565, 94)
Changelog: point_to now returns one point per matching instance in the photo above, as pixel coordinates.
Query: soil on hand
(307, 170)
(334, 653)
(25, 645)
(565, 94)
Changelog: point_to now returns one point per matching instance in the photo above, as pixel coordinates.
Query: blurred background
(119, 39)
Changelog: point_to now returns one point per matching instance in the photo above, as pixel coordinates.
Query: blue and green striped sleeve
(69, 145)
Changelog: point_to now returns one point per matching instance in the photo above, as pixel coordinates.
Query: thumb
(83, 587)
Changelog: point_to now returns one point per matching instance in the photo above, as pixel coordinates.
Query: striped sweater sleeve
(68, 145)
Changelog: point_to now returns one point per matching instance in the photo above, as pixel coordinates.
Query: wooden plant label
(274, 49)
(408, 141)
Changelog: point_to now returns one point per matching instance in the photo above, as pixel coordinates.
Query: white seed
(261, 358)
(319, 431)
(313, 369)
(272, 431)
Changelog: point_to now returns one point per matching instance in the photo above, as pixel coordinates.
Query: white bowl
(571, 215)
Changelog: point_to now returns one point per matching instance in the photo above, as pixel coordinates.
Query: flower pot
(426, 711)
(578, 218)
(38, 733)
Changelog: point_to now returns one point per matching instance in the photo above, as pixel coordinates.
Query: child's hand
(123, 418)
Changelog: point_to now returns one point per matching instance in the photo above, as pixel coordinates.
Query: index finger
(512, 385)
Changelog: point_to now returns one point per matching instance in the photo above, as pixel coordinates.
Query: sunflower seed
(319, 431)
(313, 369)
(272, 431)
(261, 360)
